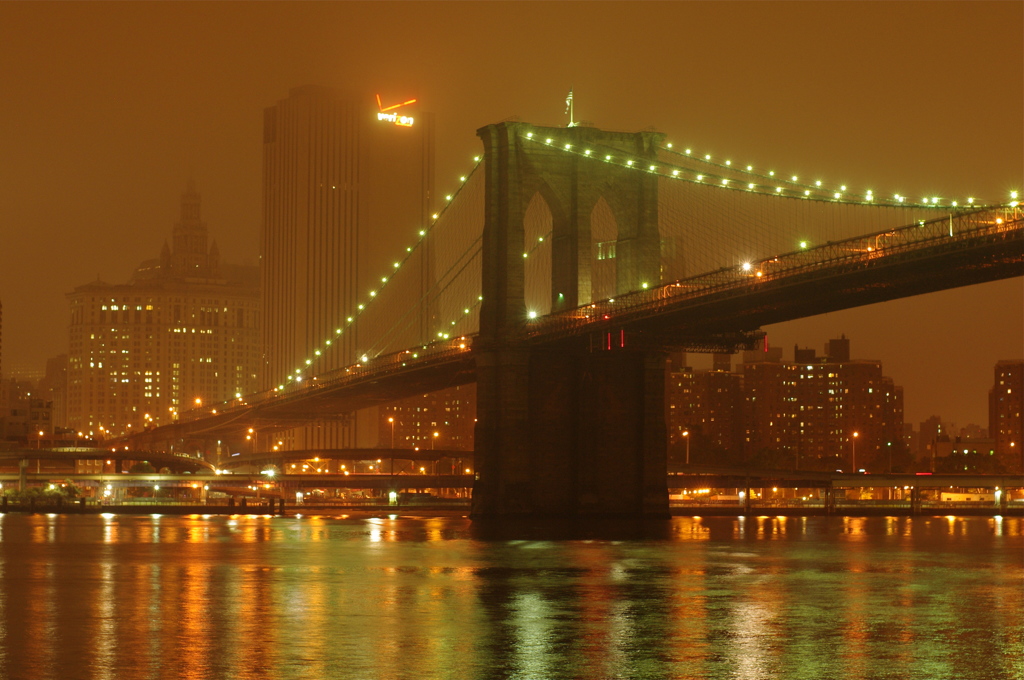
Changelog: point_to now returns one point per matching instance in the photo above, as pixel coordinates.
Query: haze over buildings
(107, 119)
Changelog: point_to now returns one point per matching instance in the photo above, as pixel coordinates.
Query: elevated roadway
(117, 454)
(717, 310)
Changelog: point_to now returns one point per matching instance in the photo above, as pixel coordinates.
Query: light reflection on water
(129, 597)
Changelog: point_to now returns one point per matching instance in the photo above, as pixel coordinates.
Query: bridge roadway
(114, 453)
(694, 477)
(715, 310)
(238, 483)
(707, 476)
(280, 458)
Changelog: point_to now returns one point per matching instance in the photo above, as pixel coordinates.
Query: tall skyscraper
(340, 187)
(183, 331)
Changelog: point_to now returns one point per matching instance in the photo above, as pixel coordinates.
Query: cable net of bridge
(723, 225)
(719, 225)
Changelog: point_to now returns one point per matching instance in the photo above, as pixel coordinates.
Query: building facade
(812, 412)
(1005, 409)
(822, 411)
(706, 405)
(182, 332)
(443, 420)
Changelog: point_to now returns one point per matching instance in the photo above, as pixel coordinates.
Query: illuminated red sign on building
(388, 114)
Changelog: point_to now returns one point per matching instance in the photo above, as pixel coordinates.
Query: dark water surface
(131, 597)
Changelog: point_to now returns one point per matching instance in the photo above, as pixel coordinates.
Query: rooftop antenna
(568, 108)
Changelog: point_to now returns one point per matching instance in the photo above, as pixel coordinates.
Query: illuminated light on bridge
(461, 344)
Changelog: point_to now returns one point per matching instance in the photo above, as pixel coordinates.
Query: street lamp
(686, 435)
(853, 450)
(392, 421)
(434, 439)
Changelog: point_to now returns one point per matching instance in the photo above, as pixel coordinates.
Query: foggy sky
(106, 111)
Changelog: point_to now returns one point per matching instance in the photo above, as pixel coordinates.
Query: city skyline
(168, 113)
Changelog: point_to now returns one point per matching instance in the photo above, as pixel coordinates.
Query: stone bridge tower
(568, 430)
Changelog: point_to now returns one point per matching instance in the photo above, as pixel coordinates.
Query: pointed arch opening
(604, 233)
(537, 227)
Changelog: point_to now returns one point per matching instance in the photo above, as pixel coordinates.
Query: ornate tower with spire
(189, 256)
(189, 324)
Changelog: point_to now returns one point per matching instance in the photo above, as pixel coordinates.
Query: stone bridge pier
(575, 429)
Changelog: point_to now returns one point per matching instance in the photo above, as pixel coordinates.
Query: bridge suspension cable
(408, 277)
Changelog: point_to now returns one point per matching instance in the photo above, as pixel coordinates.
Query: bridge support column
(571, 433)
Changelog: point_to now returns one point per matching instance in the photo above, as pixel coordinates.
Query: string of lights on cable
(361, 307)
(727, 175)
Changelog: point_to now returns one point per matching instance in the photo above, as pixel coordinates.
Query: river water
(129, 597)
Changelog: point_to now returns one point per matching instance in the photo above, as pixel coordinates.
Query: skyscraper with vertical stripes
(339, 187)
